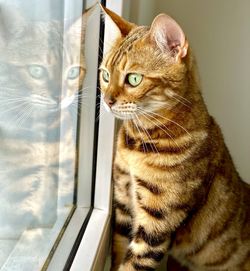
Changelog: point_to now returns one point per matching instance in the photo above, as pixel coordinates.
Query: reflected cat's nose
(109, 100)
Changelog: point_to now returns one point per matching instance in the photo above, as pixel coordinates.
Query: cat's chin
(123, 115)
(66, 102)
(125, 111)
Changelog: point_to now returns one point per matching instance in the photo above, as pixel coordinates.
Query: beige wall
(219, 33)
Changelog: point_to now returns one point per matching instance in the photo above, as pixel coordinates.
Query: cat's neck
(166, 123)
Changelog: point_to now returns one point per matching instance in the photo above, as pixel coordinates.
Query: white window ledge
(91, 253)
(65, 246)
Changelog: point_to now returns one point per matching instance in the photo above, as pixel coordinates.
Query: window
(49, 134)
(55, 156)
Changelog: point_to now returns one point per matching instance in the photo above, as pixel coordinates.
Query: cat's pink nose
(109, 100)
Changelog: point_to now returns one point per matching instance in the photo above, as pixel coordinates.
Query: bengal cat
(176, 189)
(42, 68)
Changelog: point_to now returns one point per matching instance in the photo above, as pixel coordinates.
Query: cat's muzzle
(124, 111)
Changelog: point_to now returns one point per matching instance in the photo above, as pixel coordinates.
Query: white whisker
(126, 135)
(172, 121)
(19, 106)
(148, 113)
(179, 101)
(181, 97)
(6, 101)
(101, 113)
(75, 110)
(157, 125)
(24, 116)
(145, 149)
(147, 134)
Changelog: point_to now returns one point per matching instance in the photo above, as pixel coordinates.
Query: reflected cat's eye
(105, 76)
(134, 79)
(37, 71)
(74, 73)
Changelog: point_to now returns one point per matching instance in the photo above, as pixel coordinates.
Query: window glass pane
(42, 71)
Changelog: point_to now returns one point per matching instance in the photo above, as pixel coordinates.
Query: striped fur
(176, 190)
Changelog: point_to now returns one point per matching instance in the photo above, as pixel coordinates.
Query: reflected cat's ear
(78, 26)
(118, 26)
(12, 23)
(169, 36)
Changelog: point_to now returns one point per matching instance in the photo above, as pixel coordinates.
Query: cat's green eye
(74, 73)
(134, 79)
(105, 76)
(37, 71)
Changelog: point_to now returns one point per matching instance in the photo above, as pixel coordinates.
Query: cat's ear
(77, 27)
(12, 23)
(118, 26)
(169, 36)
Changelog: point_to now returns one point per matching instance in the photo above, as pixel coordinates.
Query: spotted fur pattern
(176, 189)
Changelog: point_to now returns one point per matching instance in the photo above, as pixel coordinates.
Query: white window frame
(94, 247)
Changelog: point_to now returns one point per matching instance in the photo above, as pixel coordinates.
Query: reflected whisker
(24, 116)
(101, 113)
(11, 102)
(75, 110)
(19, 106)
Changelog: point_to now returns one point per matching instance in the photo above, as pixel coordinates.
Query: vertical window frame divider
(94, 248)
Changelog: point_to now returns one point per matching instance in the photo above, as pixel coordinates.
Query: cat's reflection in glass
(42, 69)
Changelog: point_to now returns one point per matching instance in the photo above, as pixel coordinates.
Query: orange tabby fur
(176, 189)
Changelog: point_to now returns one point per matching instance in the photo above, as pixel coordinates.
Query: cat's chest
(131, 160)
(40, 145)
(149, 165)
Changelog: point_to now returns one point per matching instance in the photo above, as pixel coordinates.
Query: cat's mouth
(51, 104)
(124, 111)
(44, 101)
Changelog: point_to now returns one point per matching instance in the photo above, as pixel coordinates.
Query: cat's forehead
(44, 43)
(124, 46)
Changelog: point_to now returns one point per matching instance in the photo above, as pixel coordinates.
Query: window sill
(31, 249)
(91, 254)
(67, 241)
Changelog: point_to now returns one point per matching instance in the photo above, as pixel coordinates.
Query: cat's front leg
(150, 239)
(154, 222)
(145, 251)
(122, 214)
